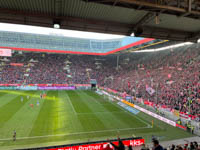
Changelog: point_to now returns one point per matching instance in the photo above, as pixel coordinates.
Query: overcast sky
(43, 30)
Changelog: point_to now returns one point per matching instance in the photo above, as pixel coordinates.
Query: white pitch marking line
(93, 98)
(101, 131)
(132, 114)
(71, 104)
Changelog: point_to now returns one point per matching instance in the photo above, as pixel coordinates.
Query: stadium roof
(173, 20)
(62, 44)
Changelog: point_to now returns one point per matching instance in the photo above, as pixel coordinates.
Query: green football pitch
(64, 117)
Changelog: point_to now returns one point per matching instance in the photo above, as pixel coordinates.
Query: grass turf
(70, 117)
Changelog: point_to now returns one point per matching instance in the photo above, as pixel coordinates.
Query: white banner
(150, 90)
(5, 52)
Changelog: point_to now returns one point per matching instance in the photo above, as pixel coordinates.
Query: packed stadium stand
(59, 92)
(173, 73)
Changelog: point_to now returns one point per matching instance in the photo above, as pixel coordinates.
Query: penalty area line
(77, 133)
(135, 116)
(71, 104)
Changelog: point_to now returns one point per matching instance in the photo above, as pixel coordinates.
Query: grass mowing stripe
(105, 102)
(122, 117)
(135, 116)
(69, 100)
(32, 113)
(21, 93)
(66, 103)
(77, 133)
(65, 113)
(55, 114)
(64, 119)
(6, 98)
(70, 129)
(2, 93)
(71, 123)
(95, 95)
(157, 127)
(21, 121)
(126, 111)
(91, 96)
(91, 122)
(91, 102)
(8, 110)
(78, 104)
(99, 107)
(47, 119)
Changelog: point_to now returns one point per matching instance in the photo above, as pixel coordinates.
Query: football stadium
(99, 74)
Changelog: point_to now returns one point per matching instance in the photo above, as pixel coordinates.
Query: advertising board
(156, 116)
(101, 145)
(57, 88)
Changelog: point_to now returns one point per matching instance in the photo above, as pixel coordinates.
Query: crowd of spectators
(189, 146)
(173, 74)
(154, 146)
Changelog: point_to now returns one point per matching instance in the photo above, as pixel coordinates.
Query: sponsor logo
(101, 146)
